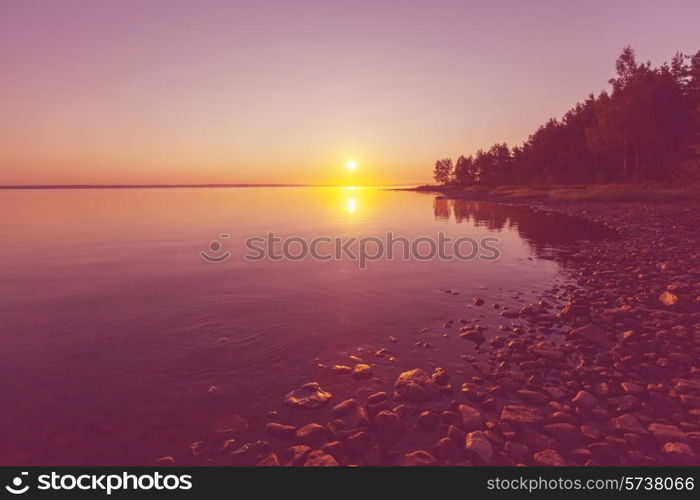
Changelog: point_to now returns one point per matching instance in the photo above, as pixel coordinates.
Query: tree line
(645, 128)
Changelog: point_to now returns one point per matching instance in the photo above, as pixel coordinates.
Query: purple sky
(284, 91)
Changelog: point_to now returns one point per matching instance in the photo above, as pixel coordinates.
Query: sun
(351, 164)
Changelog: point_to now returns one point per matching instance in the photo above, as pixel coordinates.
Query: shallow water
(113, 327)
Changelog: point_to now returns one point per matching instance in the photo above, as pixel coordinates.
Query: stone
(473, 335)
(478, 444)
(280, 431)
(563, 432)
(318, 458)
(664, 432)
(341, 369)
(477, 301)
(668, 299)
(342, 409)
(593, 334)
(269, 461)
(358, 443)
(419, 458)
(471, 418)
(549, 458)
(428, 420)
(377, 402)
(628, 423)
(678, 451)
(517, 451)
(296, 455)
(389, 426)
(307, 396)
(532, 397)
(415, 386)
(362, 371)
(584, 399)
(518, 414)
(311, 434)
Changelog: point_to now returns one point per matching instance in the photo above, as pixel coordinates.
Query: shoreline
(609, 378)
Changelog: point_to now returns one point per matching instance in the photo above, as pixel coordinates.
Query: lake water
(113, 328)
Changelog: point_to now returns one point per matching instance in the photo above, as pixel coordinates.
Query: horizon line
(156, 186)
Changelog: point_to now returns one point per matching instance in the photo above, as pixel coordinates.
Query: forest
(645, 127)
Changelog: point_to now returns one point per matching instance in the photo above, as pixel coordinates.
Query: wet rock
(311, 434)
(548, 352)
(624, 403)
(584, 399)
(428, 420)
(419, 458)
(445, 448)
(517, 451)
(249, 451)
(166, 461)
(296, 455)
(362, 371)
(336, 449)
(281, 431)
(664, 432)
(415, 386)
(377, 402)
(593, 334)
(341, 369)
(519, 414)
(477, 301)
(440, 376)
(307, 396)
(473, 335)
(690, 401)
(389, 426)
(668, 299)
(679, 451)
(358, 443)
(478, 444)
(342, 409)
(269, 461)
(549, 458)
(471, 418)
(566, 433)
(532, 397)
(318, 458)
(628, 423)
(227, 446)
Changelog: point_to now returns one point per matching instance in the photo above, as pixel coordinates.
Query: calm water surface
(113, 328)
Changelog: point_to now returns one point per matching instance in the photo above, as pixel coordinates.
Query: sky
(208, 91)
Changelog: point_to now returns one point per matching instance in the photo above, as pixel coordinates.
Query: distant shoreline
(168, 186)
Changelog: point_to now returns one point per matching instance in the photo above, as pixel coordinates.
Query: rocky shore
(606, 375)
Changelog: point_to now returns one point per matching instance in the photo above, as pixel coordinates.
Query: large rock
(311, 434)
(415, 386)
(477, 443)
(664, 432)
(389, 426)
(280, 431)
(519, 414)
(418, 458)
(307, 396)
(471, 418)
(318, 458)
(584, 399)
(628, 423)
(549, 458)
